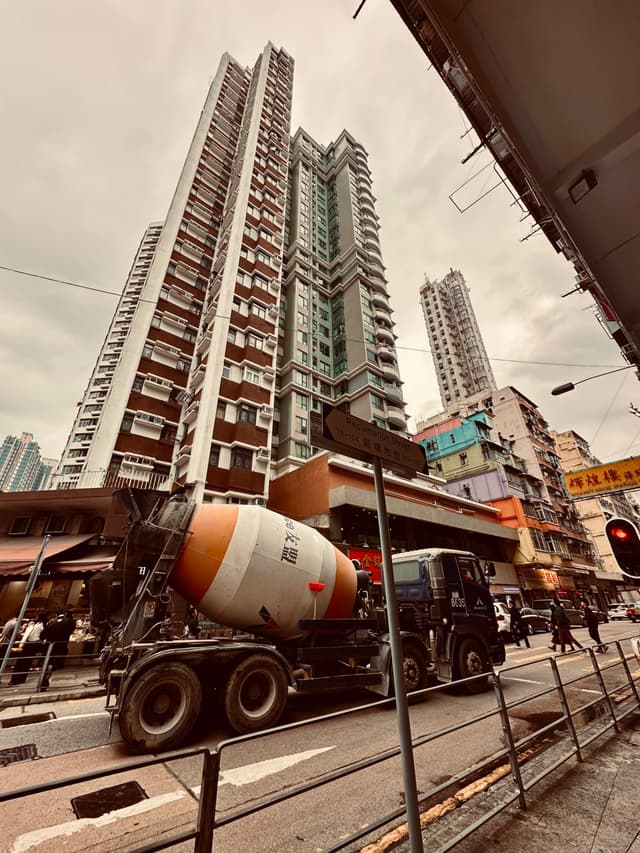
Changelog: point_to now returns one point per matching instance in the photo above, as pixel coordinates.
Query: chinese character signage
(612, 477)
(370, 560)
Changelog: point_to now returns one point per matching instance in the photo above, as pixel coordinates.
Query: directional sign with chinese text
(612, 477)
(343, 433)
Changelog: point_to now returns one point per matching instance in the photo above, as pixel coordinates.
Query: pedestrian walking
(5, 636)
(518, 630)
(57, 632)
(561, 621)
(31, 647)
(593, 627)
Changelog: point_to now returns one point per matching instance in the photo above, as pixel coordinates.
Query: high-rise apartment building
(22, 468)
(457, 348)
(261, 297)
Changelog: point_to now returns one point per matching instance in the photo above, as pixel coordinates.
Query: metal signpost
(354, 437)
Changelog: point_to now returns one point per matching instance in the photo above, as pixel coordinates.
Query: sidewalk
(591, 806)
(78, 682)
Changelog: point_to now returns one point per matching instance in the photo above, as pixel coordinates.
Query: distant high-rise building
(261, 297)
(457, 348)
(22, 469)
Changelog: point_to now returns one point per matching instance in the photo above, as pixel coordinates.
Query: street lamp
(569, 386)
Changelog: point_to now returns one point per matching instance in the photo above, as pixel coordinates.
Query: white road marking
(261, 769)
(38, 836)
(523, 680)
(237, 776)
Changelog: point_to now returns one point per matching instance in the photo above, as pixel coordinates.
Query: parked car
(633, 611)
(617, 611)
(504, 618)
(533, 621)
(545, 607)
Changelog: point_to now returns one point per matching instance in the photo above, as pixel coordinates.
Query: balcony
(380, 301)
(385, 353)
(386, 335)
(390, 372)
(392, 391)
(382, 315)
(396, 416)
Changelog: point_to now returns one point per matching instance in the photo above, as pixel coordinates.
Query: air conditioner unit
(262, 454)
(274, 310)
(266, 411)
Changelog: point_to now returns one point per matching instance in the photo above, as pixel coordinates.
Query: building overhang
(419, 511)
(552, 92)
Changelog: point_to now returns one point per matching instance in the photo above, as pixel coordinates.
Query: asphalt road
(77, 739)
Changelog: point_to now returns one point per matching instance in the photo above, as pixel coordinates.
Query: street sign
(343, 433)
(602, 479)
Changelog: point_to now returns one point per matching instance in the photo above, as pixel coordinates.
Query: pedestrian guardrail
(612, 682)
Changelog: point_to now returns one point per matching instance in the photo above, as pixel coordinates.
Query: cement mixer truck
(291, 607)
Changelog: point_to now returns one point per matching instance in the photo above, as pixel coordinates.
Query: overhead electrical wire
(118, 294)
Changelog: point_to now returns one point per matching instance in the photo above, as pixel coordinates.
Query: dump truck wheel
(160, 708)
(414, 667)
(472, 660)
(255, 694)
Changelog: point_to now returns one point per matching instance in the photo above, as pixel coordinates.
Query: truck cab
(446, 593)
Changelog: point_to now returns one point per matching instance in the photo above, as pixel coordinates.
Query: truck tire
(255, 694)
(414, 667)
(160, 708)
(472, 660)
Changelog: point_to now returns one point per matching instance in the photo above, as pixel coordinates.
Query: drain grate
(108, 800)
(17, 753)
(26, 719)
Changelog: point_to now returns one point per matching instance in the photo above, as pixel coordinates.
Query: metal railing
(617, 696)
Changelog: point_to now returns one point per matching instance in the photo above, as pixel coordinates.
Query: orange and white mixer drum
(247, 567)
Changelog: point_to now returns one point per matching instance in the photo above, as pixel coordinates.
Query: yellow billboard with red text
(612, 477)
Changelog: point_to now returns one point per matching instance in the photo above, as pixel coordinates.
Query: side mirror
(490, 570)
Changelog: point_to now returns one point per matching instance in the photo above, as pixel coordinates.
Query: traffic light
(624, 539)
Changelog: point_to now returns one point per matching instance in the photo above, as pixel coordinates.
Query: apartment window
(214, 456)
(250, 374)
(221, 409)
(302, 401)
(231, 336)
(302, 451)
(226, 370)
(127, 423)
(301, 378)
(301, 424)
(302, 357)
(255, 341)
(247, 413)
(241, 457)
(303, 338)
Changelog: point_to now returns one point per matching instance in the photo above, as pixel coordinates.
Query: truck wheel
(255, 694)
(472, 660)
(160, 708)
(414, 667)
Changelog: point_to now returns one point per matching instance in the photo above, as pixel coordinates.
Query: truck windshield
(407, 571)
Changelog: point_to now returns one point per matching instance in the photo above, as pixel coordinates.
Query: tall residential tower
(457, 348)
(260, 297)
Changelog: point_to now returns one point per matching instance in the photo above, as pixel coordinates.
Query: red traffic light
(624, 539)
(619, 533)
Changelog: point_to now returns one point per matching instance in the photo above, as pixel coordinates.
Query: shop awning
(18, 554)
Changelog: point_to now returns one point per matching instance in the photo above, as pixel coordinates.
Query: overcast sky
(97, 109)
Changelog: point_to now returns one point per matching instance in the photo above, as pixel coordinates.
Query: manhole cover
(26, 719)
(17, 753)
(108, 800)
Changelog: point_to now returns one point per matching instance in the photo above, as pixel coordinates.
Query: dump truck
(293, 615)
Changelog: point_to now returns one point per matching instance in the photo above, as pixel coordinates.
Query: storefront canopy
(18, 554)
